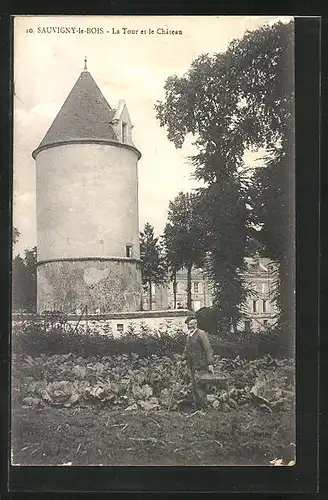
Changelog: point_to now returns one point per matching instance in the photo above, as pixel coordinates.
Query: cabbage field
(130, 409)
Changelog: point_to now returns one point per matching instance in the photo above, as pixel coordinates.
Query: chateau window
(265, 322)
(120, 327)
(124, 132)
(128, 251)
(196, 286)
(254, 306)
(247, 324)
(264, 306)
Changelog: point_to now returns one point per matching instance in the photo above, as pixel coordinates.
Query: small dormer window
(128, 251)
(124, 132)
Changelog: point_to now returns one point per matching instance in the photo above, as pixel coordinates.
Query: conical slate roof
(84, 115)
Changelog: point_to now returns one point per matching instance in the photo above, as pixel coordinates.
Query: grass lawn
(89, 436)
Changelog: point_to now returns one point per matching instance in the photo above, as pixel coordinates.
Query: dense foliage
(41, 337)
(35, 338)
(234, 100)
(15, 235)
(224, 217)
(24, 281)
(273, 201)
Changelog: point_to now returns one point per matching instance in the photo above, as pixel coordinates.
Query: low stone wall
(135, 322)
(118, 324)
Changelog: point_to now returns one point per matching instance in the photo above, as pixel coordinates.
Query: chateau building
(259, 310)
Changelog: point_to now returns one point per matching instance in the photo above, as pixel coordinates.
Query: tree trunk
(189, 301)
(150, 296)
(174, 290)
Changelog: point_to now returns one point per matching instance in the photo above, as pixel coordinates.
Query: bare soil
(88, 436)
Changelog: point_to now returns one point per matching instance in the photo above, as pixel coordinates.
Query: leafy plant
(132, 381)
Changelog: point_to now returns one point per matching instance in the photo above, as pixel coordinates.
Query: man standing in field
(199, 357)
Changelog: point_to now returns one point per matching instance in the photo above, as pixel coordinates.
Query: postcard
(153, 280)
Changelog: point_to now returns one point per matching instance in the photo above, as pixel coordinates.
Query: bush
(207, 320)
(32, 338)
(251, 345)
(246, 344)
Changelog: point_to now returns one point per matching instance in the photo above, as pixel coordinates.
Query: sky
(133, 67)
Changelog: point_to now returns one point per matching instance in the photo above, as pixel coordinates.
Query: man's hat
(189, 318)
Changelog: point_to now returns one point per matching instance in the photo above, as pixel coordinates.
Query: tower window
(128, 251)
(254, 306)
(124, 132)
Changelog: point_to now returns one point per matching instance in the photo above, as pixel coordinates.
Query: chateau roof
(84, 115)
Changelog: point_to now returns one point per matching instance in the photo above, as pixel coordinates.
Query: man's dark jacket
(198, 351)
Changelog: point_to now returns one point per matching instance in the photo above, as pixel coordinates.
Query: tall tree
(238, 100)
(184, 236)
(19, 288)
(172, 264)
(15, 235)
(273, 200)
(30, 260)
(224, 216)
(234, 100)
(152, 260)
(24, 281)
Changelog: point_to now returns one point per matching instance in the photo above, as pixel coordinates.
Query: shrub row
(31, 338)
(252, 346)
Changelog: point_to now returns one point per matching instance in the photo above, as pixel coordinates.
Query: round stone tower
(87, 207)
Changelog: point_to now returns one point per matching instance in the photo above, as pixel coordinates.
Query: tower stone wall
(87, 201)
(103, 285)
